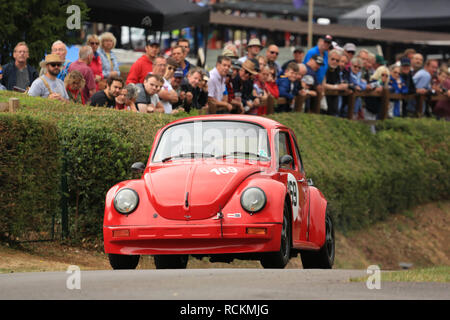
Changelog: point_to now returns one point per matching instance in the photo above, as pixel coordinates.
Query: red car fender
(141, 216)
(275, 192)
(317, 209)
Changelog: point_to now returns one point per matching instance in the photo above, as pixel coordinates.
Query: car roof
(262, 121)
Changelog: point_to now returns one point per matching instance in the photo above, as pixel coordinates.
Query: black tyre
(122, 262)
(279, 259)
(171, 261)
(324, 258)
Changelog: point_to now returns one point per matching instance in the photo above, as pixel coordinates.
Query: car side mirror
(310, 182)
(138, 167)
(286, 160)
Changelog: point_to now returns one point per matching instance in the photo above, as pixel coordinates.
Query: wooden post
(13, 104)
(420, 99)
(270, 104)
(317, 101)
(351, 105)
(299, 101)
(212, 108)
(310, 23)
(384, 103)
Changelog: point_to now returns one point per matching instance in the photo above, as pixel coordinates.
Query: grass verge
(432, 274)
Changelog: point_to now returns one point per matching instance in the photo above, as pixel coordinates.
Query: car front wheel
(279, 259)
(324, 258)
(123, 262)
(171, 261)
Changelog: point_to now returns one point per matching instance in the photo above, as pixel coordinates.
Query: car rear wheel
(279, 259)
(324, 258)
(122, 262)
(171, 261)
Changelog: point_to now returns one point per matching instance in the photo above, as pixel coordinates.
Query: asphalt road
(210, 284)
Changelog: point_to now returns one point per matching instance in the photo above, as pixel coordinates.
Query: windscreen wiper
(189, 155)
(235, 153)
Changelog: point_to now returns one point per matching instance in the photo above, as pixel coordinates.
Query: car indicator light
(121, 233)
(257, 230)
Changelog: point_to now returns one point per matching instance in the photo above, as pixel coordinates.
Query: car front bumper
(192, 238)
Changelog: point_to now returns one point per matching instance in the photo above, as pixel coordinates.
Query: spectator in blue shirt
(356, 81)
(397, 84)
(288, 87)
(323, 45)
(422, 81)
(313, 66)
(110, 64)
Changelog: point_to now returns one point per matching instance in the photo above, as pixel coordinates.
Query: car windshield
(219, 139)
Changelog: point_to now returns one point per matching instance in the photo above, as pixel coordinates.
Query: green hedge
(29, 177)
(97, 147)
(365, 176)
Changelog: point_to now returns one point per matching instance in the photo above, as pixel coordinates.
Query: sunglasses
(96, 43)
(384, 75)
(274, 52)
(171, 68)
(55, 65)
(333, 59)
(356, 67)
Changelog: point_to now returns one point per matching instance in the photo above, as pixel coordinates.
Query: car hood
(194, 190)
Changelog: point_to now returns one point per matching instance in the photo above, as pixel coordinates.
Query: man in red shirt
(144, 64)
(82, 64)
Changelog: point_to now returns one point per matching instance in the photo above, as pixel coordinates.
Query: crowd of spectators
(170, 83)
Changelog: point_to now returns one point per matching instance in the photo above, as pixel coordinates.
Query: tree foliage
(37, 22)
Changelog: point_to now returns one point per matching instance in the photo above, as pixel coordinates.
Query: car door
(303, 190)
(291, 175)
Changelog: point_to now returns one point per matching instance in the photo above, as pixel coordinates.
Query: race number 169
(223, 170)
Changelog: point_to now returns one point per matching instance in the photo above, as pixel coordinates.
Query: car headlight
(126, 201)
(253, 199)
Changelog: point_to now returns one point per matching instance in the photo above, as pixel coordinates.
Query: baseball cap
(350, 47)
(309, 80)
(405, 62)
(152, 43)
(236, 64)
(328, 38)
(178, 73)
(318, 59)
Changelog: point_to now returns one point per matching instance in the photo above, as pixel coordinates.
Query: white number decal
(293, 190)
(222, 170)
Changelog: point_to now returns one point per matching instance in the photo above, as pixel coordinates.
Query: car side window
(285, 149)
(297, 150)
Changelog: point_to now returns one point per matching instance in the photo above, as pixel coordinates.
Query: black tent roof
(407, 14)
(155, 15)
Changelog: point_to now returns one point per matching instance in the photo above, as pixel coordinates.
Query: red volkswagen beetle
(221, 186)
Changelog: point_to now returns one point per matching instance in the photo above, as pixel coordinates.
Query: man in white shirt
(168, 95)
(48, 85)
(216, 87)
